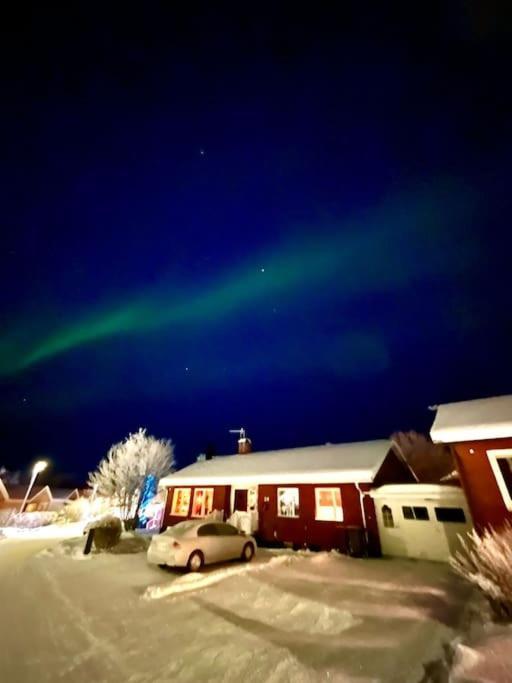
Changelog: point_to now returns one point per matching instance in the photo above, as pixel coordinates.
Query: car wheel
(195, 561)
(248, 552)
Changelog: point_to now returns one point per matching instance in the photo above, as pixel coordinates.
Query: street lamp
(38, 467)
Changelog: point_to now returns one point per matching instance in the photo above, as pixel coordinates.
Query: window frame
(334, 507)
(174, 500)
(204, 512)
(296, 505)
(438, 508)
(493, 456)
(387, 516)
(413, 517)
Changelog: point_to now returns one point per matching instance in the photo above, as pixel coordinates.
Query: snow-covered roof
(441, 492)
(332, 463)
(485, 418)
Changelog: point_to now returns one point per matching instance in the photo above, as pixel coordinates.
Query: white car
(192, 544)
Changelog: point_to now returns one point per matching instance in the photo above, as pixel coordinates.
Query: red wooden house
(480, 434)
(313, 497)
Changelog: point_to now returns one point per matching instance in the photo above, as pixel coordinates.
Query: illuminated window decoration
(180, 502)
(148, 493)
(203, 502)
(157, 515)
(328, 505)
(252, 498)
(288, 502)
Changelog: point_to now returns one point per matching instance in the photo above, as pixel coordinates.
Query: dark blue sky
(295, 222)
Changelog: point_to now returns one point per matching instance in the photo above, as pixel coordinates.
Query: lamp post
(38, 467)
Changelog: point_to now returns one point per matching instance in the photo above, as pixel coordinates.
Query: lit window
(288, 502)
(328, 505)
(180, 502)
(387, 516)
(203, 502)
(501, 463)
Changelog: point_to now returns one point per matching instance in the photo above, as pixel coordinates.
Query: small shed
(421, 521)
(314, 497)
(480, 435)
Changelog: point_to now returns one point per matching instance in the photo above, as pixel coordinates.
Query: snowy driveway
(286, 617)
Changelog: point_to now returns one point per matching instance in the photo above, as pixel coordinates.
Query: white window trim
(494, 456)
(174, 496)
(287, 488)
(203, 511)
(318, 490)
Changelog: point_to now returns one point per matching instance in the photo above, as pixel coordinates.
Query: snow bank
(486, 660)
(192, 582)
(74, 551)
(49, 531)
(73, 547)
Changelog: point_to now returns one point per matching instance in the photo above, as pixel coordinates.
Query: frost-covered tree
(8, 477)
(120, 475)
(431, 462)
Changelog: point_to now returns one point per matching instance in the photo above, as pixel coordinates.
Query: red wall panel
(305, 531)
(479, 483)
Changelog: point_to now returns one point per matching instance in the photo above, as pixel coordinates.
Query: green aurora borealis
(412, 238)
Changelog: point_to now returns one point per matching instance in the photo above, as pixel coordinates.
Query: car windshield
(180, 529)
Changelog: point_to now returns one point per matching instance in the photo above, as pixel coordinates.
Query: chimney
(244, 445)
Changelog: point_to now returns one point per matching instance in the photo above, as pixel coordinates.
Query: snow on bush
(26, 520)
(486, 561)
(107, 531)
(5, 517)
(121, 474)
(74, 511)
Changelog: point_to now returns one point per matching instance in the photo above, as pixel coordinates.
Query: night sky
(298, 222)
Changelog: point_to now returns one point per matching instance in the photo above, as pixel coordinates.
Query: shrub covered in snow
(486, 561)
(26, 520)
(5, 517)
(107, 531)
(74, 511)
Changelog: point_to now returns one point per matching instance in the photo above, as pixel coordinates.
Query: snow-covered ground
(485, 655)
(285, 617)
(43, 532)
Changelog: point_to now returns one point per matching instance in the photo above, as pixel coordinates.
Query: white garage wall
(415, 538)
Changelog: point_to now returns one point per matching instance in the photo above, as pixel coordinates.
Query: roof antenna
(240, 432)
